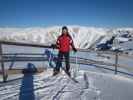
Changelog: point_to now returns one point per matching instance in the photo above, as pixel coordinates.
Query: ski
(73, 79)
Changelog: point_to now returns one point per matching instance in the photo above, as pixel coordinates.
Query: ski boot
(55, 72)
(68, 73)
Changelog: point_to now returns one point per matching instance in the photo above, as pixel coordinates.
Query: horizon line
(74, 25)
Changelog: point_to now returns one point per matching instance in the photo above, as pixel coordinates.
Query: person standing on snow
(64, 44)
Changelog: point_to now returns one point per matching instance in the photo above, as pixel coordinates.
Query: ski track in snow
(59, 87)
(91, 86)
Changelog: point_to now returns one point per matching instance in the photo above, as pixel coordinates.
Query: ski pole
(77, 69)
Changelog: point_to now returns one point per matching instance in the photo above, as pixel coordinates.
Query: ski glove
(53, 46)
(75, 50)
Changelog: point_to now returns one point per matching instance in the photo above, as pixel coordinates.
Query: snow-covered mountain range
(84, 37)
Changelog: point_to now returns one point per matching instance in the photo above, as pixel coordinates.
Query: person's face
(64, 31)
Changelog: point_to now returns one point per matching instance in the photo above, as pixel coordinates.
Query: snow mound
(90, 86)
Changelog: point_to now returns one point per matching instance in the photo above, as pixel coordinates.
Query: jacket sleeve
(58, 42)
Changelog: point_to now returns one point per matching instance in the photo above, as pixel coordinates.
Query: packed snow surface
(90, 86)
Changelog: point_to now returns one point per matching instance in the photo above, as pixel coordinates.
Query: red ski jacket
(64, 42)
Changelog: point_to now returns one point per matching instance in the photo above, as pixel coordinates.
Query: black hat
(64, 27)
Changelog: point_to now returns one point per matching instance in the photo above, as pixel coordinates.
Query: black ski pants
(59, 61)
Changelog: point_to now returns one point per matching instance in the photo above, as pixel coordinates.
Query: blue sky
(99, 13)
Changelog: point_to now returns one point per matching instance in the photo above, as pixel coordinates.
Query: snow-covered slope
(91, 86)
